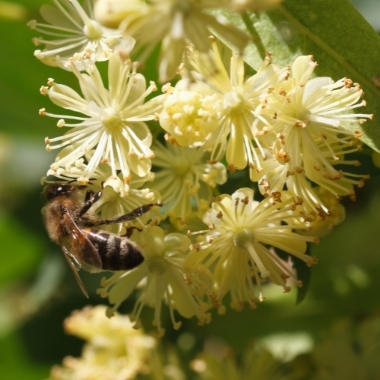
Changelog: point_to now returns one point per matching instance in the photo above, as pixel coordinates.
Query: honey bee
(69, 223)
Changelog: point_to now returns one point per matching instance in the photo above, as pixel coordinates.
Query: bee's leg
(89, 195)
(124, 218)
(89, 201)
(129, 231)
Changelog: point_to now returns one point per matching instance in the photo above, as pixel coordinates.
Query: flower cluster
(289, 129)
(113, 349)
(176, 23)
(227, 128)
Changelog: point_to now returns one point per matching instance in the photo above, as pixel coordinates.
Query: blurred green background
(36, 290)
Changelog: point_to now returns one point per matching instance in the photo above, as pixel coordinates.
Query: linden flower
(161, 277)
(240, 134)
(314, 125)
(113, 124)
(184, 178)
(175, 23)
(190, 113)
(113, 349)
(236, 247)
(73, 30)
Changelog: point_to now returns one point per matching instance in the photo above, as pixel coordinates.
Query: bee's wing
(80, 247)
(74, 266)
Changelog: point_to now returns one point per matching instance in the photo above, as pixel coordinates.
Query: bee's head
(60, 190)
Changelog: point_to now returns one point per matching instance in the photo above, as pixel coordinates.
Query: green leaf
(334, 32)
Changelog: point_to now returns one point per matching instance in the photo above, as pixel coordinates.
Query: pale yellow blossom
(241, 136)
(315, 125)
(113, 124)
(114, 350)
(184, 178)
(238, 246)
(71, 29)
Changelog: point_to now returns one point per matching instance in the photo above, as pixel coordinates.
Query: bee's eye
(52, 192)
(60, 190)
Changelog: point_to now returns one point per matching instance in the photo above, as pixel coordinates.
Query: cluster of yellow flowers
(278, 128)
(113, 349)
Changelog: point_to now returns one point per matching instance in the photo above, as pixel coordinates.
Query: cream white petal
(314, 85)
(235, 154)
(54, 16)
(66, 97)
(300, 66)
(285, 240)
(93, 92)
(182, 297)
(127, 283)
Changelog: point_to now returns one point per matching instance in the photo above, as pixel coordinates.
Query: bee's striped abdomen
(116, 252)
